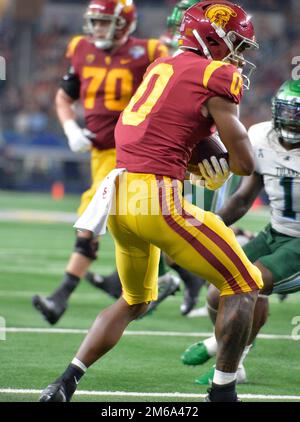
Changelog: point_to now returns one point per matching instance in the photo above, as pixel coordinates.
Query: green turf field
(145, 366)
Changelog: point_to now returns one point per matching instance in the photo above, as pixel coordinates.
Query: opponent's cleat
(196, 354)
(54, 393)
(168, 285)
(51, 310)
(206, 379)
(106, 284)
(191, 295)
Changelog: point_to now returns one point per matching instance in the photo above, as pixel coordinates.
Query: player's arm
(156, 49)
(66, 96)
(233, 135)
(240, 202)
(64, 106)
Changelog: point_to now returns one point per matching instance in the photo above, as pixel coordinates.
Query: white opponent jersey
(280, 170)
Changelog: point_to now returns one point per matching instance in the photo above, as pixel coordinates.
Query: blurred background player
(276, 249)
(154, 135)
(106, 66)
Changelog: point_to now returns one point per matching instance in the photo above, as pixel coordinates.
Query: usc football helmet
(286, 111)
(118, 19)
(220, 30)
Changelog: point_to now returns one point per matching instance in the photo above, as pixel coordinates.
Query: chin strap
(202, 44)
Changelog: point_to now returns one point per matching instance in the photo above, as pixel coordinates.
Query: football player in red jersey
(106, 67)
(182, 99)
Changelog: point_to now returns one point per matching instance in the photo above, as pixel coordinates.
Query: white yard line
(134, 333)
(38, 216)
(140, 394)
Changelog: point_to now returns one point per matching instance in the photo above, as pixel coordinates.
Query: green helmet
(174, 20)
(286, 111)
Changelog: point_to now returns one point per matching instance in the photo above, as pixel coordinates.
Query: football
(206, 148)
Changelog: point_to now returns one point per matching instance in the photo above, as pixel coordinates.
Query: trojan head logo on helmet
(220, 30)
(220, 15)
(286, 112)
(110, 22)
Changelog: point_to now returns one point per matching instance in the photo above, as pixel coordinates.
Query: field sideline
(146, 365)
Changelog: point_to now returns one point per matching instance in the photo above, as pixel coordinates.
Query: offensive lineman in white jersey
(276, 249)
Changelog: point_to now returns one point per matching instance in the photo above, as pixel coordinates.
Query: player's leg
(200, 352)
(168, 284)
(192, 287)
(110, 284)
(200, 242)
(280, 269)
(85, 249)
(137, 263)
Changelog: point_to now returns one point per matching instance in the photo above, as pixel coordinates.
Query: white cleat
(200, 312)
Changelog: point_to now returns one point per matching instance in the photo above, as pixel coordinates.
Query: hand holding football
(206, 148)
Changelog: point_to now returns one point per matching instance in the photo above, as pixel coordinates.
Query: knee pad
(87, 247)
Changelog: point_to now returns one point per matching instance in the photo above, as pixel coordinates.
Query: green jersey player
(276, 249)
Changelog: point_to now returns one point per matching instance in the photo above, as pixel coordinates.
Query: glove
(197, 180)
(214, 174)
(78, 138)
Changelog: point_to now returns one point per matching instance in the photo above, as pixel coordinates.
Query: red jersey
(163, 122)
(108, 81)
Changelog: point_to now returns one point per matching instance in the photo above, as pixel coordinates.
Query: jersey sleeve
(72, 46)
(258, 134)
(70, 83)
(156, 49)
(223, 80)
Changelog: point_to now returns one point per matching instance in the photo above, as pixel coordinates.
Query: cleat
(282, 297)
(224, 393)
(207, 399)
(51, 310)
(200, 312)
(109, 286)
(168, 285)
(53, 393)
(206, 379)
(196, 354)
(191, 295)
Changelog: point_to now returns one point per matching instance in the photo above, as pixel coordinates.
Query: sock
(162, 270)
(223, 393)
(211, 345)
(245, 353)
(79, 364)
(222, 378)
(67, 286)
(71, 378)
